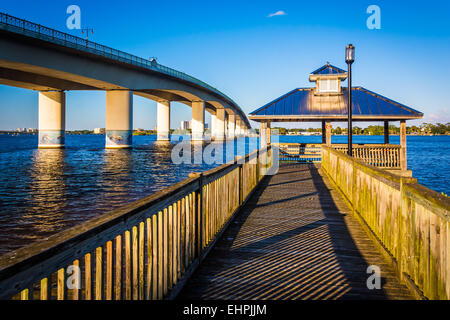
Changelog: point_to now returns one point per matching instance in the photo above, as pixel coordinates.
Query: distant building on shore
(99, 130)
(185, 125)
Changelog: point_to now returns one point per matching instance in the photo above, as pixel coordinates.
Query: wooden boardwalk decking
(295, 239)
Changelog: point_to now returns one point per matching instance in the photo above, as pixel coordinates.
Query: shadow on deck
(295, 239)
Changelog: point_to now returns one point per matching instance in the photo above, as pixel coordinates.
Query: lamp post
(350, 58)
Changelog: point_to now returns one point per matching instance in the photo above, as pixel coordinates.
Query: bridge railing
(145, 250)
(38, 31)
(410, 221)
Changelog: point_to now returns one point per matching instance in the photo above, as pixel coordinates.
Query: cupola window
(328, 85)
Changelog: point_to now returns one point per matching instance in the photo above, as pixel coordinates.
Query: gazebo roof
(329, 69)
(303, 104)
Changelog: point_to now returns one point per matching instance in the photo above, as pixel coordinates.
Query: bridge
(52, 62)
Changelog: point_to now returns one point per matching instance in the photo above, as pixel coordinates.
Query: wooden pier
(296, 238)
(311, 231)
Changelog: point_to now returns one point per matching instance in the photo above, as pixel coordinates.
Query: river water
(45, 191)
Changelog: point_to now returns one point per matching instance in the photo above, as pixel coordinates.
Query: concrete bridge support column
(163, 120)
(231, 126)
(213, 126)
(119, 119)
(220, 124)
(52, 119)
(198, 120)
(238, 129)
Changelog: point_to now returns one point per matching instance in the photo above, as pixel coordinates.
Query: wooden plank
(160, 255)
(98, 274)
(25, 294)
(88, 270)
(174, 243)
(61, 285)
(109, 271)
(45, 293)
(127, 278)
(141, 259)
(118, 269)
(165, 252)
(155, 258)
(170, 247)
(179, 241)
(150, 260)
(135, 262)
(183, 235)
(76, 281)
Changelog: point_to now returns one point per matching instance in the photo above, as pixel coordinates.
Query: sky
(253, 51)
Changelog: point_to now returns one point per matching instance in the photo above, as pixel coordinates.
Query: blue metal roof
(328, 69)
(303, 105)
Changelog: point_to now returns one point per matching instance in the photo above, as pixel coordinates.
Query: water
(43, 192)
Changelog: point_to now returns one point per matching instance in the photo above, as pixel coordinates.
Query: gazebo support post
(262, 135)
(324, 136)
(328, 133)
(386, 132)
(269, 133)
(403, 159)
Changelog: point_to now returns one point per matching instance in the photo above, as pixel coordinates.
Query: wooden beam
(386, 132)
(403, 159)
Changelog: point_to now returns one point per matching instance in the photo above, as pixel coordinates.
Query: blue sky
(236, 47)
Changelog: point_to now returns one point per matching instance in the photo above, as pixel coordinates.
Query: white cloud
(278, 13)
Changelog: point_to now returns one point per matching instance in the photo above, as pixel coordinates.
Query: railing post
(403, 160)
(257, 166)
(241, 185)
(200, 218)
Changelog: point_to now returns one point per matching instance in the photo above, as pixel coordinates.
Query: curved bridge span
(50, 61)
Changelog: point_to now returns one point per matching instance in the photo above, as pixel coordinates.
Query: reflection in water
(40, 194)
(45, 191)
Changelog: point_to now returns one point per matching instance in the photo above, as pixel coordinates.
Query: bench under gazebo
(327, 102)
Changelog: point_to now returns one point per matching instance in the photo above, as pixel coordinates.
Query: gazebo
(326, 102)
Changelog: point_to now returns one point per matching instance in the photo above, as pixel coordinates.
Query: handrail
(410, 221)
(144, 250)
(31, 29)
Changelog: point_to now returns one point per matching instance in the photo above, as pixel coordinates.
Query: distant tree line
(424, 129)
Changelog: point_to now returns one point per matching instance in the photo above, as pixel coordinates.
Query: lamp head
(350, 54)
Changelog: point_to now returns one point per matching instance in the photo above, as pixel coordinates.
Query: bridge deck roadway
(295, 239)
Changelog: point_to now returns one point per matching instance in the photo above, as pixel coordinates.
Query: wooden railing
(386, 156)
(411, 222)
(146, 250)
(300, 152)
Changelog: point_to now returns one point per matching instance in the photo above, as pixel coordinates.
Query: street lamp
(350, 58)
